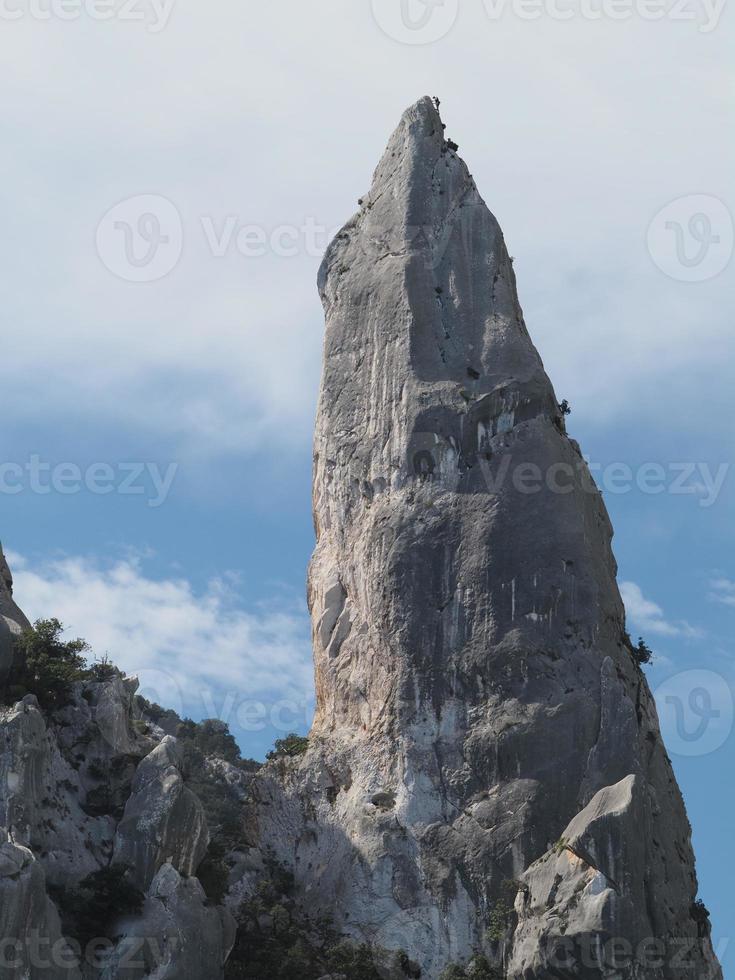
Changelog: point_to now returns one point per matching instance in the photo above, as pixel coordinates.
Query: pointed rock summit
(485, 773)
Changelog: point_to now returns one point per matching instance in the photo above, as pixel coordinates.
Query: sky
(171, 174)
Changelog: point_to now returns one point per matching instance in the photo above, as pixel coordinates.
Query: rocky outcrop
(31, 945)
(476, 695)
(164, 822)
(177, 937)
(85, 786)
(12, 620)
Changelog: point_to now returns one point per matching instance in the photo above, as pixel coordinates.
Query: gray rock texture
(30, 931)
(485, 771)
(80, 788)
(477, 697)
(12, 620)
(177, 936)
(163, 822)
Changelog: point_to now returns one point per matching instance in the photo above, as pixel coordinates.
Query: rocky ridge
(93, 785)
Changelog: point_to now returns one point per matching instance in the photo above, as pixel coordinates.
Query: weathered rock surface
(177, 937)
(80, 788)
(30, 931)
(12, 620)
(480, 717)
(476, 695)
(164, 822)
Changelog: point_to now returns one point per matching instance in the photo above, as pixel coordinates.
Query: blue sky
(266, 124)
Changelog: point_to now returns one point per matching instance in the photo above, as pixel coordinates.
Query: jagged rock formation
(12, 620)
(89, 785)
(177, 934)
(485, 771)
(163, 822)
(477, 697)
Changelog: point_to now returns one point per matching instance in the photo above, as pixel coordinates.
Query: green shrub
(640, 652)
(213, 873)
(104, 670)
(353, 962)
(46, 665)
(453, 972)
(478, 968)
(276, 943)
(91, 910)
(700, 913)
(289, 747)
(501, 914)
(211, 737)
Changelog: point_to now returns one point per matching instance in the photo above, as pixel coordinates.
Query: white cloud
(200, 649)
(237, 114)
(649, 616)
(723, 591)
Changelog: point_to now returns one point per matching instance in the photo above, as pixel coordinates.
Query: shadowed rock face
(12, 620)
(475, 691)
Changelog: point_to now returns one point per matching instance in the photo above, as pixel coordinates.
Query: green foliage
(640, 652)
(501, 914)
(700, 913)
(560, 846)
(222, 804)
(97, 770)
(289, 747)
(478, 968)
(213, 873)
(353, 962)
(104, 670)
(46, 665)
(565, 408)
(210, 737)
(91, 910)
(453, 972)
(274, 942)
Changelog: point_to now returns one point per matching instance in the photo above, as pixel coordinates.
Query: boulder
(178, 936)
(163, 822)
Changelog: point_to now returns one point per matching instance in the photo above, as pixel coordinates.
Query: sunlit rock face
(475, 691)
